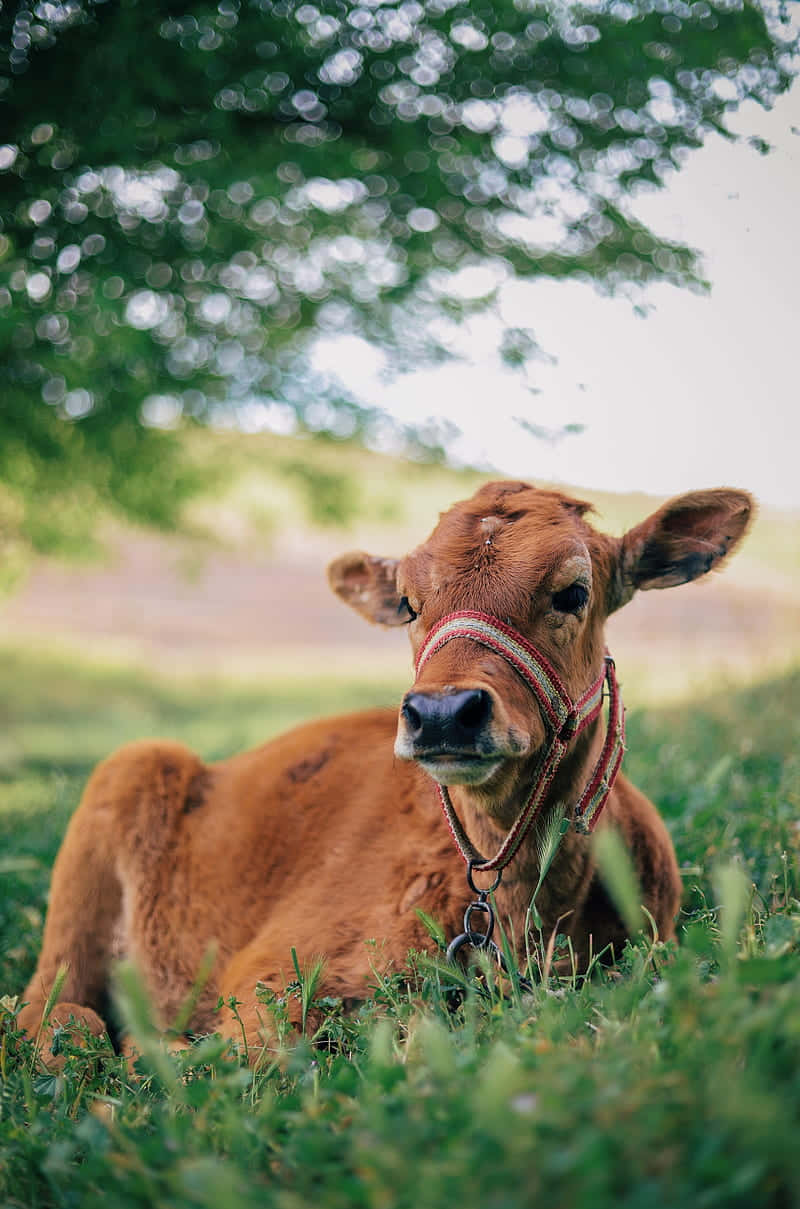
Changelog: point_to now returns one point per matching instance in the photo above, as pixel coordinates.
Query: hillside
(246, 592)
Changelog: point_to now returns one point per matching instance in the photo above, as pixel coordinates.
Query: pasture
(672, 1080)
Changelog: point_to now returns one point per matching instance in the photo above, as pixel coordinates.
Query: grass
(672, 1080)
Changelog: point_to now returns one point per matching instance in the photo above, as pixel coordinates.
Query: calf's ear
(687, 537)
(368, 585)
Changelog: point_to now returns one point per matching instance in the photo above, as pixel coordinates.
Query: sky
(701, 392)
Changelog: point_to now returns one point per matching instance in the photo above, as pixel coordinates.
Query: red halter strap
(565, 719)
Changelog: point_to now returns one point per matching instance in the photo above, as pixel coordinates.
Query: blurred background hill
(245, 593)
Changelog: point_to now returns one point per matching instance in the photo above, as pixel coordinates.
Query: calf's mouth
(450, 768)
(456, 735)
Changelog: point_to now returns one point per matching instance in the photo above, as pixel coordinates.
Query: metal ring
(473, 864)
(472, 939)
(477, 941)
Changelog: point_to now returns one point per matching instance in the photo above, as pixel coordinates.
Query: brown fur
(323, 839)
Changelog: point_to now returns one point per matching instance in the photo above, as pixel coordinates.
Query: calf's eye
(405, 607)
(571, 599)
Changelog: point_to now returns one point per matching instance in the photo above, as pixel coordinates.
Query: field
(671, 1080)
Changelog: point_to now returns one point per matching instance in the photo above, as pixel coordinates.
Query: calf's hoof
(70, 1018)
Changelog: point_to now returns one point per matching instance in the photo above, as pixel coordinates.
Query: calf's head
(530, 559)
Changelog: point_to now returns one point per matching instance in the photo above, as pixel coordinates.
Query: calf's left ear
(687, 537)
(368, 585)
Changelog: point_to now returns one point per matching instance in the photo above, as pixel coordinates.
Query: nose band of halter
(565, 719)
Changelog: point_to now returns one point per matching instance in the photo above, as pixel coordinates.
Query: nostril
(473, 712)
(413, 718)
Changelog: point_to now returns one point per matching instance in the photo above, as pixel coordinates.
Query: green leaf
(780, 934)
(432, 927)
(619, 877)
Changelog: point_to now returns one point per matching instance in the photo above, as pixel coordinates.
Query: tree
(187, 198)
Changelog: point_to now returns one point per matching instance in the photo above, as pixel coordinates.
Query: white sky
(702, 392)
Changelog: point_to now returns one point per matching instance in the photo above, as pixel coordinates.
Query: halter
(565, 720)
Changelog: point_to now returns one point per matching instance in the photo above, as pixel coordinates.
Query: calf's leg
(129, 812)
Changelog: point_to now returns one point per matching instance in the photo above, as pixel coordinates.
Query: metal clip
(473, 936)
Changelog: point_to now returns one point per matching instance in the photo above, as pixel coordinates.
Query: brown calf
(333, 834)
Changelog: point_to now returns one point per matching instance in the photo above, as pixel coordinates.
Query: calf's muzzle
(451, 720)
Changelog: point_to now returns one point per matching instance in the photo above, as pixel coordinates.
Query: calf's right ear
(687, 537)
(368, 585)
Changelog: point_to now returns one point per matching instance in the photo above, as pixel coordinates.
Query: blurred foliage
(189, 196)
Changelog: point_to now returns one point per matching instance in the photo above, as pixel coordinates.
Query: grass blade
(619, 877)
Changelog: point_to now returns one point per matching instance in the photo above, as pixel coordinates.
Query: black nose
(451, 720)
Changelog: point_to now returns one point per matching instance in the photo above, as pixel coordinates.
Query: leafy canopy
(188, 196)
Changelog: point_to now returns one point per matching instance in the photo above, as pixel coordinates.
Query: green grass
(672, 1080)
